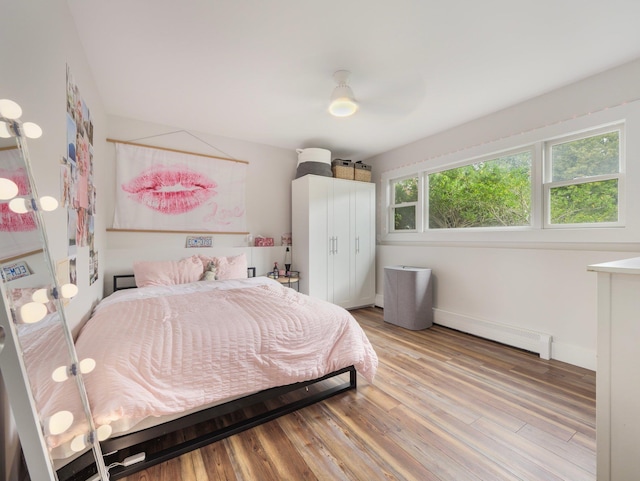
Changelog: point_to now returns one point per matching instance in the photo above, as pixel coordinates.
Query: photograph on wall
(72, 227)
(73, 274)
(71, 137)
(62, 271)
(77, 182)
(65, 180)
(18, 232)
(173, 191)
(93, 266)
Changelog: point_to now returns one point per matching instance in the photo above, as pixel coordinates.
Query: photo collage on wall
(78, 189)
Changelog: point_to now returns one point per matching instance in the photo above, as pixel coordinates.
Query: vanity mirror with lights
(39, 365)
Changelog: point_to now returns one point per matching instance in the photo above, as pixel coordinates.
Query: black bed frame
(116, 449)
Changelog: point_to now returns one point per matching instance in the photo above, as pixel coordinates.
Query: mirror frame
(12, 363)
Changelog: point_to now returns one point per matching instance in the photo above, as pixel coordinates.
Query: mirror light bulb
(68, 290)
(87, 365)
(104, 432)
(31, 130)
(9, 109)
(19, 205)
(48, 203)
(41, 296)
(60, 374)
(5, 132)
(78, 443)
(32, 312)
(60, 422)
(8, 189)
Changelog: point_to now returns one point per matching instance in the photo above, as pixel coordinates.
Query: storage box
(342, 169)
(362, 172)
(263, 241)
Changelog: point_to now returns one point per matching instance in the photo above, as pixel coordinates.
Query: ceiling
(262, 71)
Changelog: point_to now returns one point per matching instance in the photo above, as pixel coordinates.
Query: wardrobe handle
(336, 244)
(357, 244)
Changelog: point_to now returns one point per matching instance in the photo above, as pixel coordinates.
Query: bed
(172, 356)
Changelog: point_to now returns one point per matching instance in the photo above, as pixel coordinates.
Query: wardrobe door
(364, 244)
(311, 243)
(342, 243)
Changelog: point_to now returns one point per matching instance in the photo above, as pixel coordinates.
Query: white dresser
(618, 370)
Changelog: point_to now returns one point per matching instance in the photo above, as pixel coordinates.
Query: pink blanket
(165, 350)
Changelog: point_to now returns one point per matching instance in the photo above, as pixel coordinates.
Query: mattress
(163, 351)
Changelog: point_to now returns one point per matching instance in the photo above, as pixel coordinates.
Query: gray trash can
(408, 297)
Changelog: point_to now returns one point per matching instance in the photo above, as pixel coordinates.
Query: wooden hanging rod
(20, 256)
(176, 150)
(176, 231)
(11, 147)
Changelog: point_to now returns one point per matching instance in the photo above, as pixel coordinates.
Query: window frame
(624, 231)
(549, 184)
(392, 206)
(484, 158)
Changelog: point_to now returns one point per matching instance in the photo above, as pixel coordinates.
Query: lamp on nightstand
(287, 261)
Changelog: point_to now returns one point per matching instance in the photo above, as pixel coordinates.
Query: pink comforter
(164, 350)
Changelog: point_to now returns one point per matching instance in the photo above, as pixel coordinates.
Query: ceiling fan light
(343, 107)
(343, 102)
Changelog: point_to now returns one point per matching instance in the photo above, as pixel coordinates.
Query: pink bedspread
(164, 350)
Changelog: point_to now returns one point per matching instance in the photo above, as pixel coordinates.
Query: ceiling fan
(393, 92)
(343, 102)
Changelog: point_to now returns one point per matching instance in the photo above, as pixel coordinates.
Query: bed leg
(353, 377)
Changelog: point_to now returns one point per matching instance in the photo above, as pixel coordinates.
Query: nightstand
(292, 280)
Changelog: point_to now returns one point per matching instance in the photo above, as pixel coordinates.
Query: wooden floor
(443, 406)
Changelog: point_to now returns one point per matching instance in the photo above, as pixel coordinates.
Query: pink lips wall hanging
(18, 232)
(166, 190)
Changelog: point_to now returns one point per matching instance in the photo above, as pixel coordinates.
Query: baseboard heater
(533, 341)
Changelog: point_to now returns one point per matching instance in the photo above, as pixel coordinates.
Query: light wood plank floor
(444, 406)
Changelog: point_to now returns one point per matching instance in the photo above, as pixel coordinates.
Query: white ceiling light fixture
(343, 102)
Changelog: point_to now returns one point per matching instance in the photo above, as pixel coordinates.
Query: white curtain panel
(164, 190)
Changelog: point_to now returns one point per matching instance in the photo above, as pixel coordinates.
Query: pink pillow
(22, 295)
(167, 273)
(231, 267)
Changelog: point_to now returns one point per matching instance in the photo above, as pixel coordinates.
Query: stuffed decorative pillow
(209, 272)
(231, 267)
(167, 273)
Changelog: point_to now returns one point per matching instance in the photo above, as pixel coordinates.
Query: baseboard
(533, 341)
(578, 356)
(379, 302)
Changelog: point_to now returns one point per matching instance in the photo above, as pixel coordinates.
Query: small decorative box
(362, 172)
(342, 169)
(263, 241)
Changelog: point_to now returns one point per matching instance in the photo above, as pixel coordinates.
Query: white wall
(39, 40)
(34, 75)
(522, 281)
(268, 198)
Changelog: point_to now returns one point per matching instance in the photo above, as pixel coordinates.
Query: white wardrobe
(333, 229)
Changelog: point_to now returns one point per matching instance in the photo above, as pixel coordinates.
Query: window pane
(598, 155)
(404, 218)
(591, 202)
(487, 194)
(406, 190)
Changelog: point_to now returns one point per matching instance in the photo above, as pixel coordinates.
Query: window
(568, 183)
(583, 179)
(404, 201)
(490, 193)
